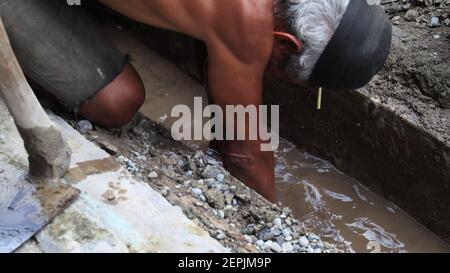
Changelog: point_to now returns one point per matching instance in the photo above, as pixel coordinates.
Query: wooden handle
(49, 154)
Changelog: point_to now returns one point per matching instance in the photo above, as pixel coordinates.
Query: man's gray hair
(314, 23)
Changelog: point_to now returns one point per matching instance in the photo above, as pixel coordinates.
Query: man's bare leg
(117, 103)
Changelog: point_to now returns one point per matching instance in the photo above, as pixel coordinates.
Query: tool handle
(49, 153)
(15, 90)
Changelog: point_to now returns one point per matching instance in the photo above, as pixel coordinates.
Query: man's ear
(296, 44)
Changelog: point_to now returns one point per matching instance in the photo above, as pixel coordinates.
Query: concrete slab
(115, 212)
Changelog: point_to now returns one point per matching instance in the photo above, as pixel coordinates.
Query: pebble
(277, 223)
(286, 232)
(317, 250)
(287, 247)
(447, 22)
(303, 241)
(220, 236)
(434, 22)
(221, 213)
(268, 244)
(153, 175)
(210, 172)
(248, 238)
(165, 191)
(276, 232)
(266, 235)
(84, 126)
(197, 192)
(249, 230)
(220, 177)
(275, 247)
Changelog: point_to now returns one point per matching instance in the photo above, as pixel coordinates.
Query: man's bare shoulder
(245, 27)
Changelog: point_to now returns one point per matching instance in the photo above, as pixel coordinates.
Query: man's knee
(117, 103)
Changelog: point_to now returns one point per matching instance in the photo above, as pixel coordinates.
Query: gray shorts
(61, 49)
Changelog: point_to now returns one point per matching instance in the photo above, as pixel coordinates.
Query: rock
(447, 22)
(249, 238)
(328, 246)
(275, 247)
(137, 130)
(220, 235)
(286, 232)
(280, 240)
(276, 231)
(170, 160)
(229, 198)
(210, 172)
(277, 223)
(317, 250)
(287, 247)
(268, 244)
(108, 147)
(266, 235)
(243, 196)
(196, 192)
(212, 183)
(269, 215)
(141, 158)
(165, 191)
(215, 199)
(84, 126)
(221, 214)
(249, 230)
(220, 177)
(303, 241)
(411, 15)
(310, 250)
(434, 23)
(260, 243)
(152, 175)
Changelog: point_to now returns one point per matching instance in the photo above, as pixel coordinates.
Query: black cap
(357, 50)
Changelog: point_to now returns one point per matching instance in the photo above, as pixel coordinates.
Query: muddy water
(343, 211)
(332, 204)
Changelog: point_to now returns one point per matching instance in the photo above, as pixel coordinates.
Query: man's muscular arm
(235, 78)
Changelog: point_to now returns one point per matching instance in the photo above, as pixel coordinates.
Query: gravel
(197, 183)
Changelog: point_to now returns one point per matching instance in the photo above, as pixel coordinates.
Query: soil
(415, 82)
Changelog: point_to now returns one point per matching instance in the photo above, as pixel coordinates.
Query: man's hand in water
(245, 161)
